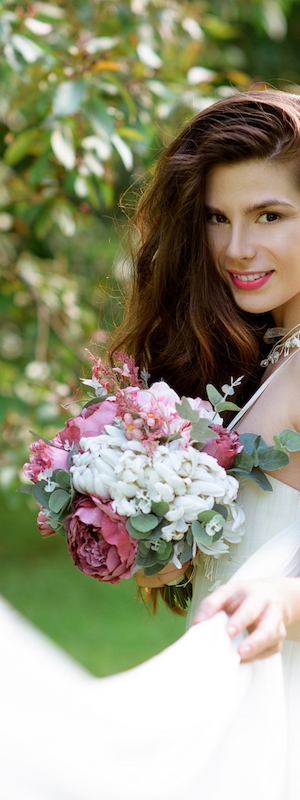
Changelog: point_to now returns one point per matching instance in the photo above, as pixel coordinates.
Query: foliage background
(90, 94)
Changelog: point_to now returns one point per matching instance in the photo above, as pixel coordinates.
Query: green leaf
(143, 523)
(200, 534)
(37, 437)
(20, 147)
(185, 411)
(164, 553)
(135, 534)
(250, 442)
(26, 488)
(201, 431)
(270, 458)
(261, 479)
(68, 98)
(58, 500)
(243, 461)
(62, 477)
(227, 406)
(289, 439)
(153, 570)
(221, 510)
(189, 536)
(160, 509)
(206, 516)
(213, 395)
(186, 553)
(94, 401)
(40, 495)
(217, 535)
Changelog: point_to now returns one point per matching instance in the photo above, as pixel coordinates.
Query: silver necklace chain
(283, 347)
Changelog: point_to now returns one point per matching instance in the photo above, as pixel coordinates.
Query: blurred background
(91, 92)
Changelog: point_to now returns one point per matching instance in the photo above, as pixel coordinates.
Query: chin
(253, 305)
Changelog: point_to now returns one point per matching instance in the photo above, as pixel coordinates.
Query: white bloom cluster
(117, 469)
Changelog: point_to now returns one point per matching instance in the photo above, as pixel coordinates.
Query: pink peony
(90, 422)
(44, 457)
(225, 448)
(98, 541)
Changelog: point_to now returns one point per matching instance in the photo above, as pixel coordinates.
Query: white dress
(191, 722)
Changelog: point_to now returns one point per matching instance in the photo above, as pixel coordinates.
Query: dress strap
(258, 393)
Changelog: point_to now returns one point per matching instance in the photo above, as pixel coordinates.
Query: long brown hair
(182, 323)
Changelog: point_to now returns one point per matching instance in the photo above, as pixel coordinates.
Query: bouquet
(142, 477)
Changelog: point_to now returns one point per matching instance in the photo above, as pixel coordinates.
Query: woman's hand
(166, 575)
(269, 609)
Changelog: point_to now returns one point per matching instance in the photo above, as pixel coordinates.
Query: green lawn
(104, 627)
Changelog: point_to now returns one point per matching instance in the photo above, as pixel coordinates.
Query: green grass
(103, 627)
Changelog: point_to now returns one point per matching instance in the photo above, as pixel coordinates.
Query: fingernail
(245, 649)
(231, 630)
(200, 617)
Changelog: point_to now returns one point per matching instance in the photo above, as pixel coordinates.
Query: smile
(250, 280)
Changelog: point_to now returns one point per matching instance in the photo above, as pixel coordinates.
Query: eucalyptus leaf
(270, 458)
(200, 534)
(221, 510)
(261, 479)
(243, 461)
(217, 535)
(37, 437)
(189, 536)
(160, 509)
(201, 431)
(132, 531)
(26, 488)
(165, 552)
(186, 552)
(228, 389)
(250, 442)
(58, 500)
(62, 477)
(206, 516)
(227, 406)
(143, 523)
(213, 395)
(185, 411)
(289, 439)
(153, 570)
(40, 495)
(278, 445)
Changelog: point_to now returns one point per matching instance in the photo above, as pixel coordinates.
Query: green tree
(90, 93)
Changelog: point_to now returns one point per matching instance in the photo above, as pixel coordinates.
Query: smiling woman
(253, 217)
(218, 261)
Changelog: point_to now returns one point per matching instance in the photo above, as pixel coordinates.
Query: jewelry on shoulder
(283, 347)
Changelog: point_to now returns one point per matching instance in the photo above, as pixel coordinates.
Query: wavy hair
(182, 323)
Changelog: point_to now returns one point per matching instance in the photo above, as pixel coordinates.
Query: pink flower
(43, 526)
(225, 448)
(90, 422)
(45, 458)
(98, 541)
(132, 427)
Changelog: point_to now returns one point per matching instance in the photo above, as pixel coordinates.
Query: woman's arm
(269, 609)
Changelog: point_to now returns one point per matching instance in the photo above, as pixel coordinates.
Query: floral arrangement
(141, 477)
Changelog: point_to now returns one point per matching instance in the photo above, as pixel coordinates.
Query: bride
(216, 715)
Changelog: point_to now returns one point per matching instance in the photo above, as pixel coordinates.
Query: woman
(219, 256)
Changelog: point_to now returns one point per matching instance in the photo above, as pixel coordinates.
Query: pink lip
(250, 285)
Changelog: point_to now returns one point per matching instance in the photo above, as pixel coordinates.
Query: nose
(240, 244)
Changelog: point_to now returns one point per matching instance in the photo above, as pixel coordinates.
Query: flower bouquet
(142, 478)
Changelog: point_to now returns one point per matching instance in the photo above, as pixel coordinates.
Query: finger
(270, 651)
(247, 614)
(225, 598)
(269, 633)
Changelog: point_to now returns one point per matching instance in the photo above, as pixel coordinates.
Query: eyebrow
(272, 201)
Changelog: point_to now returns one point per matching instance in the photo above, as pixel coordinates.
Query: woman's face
(253, 217)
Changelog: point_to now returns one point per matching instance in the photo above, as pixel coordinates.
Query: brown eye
(270, 216)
